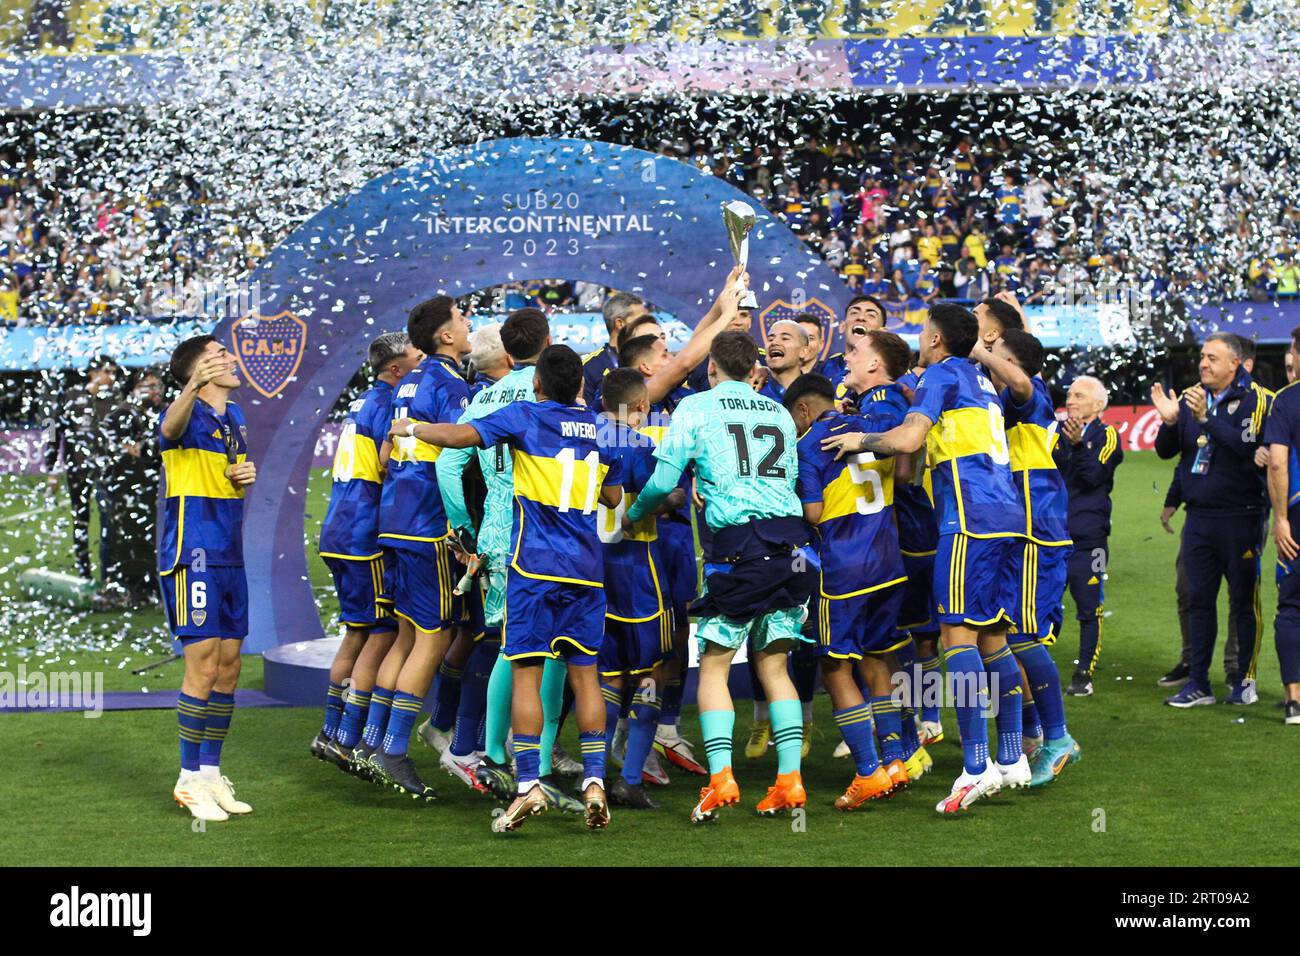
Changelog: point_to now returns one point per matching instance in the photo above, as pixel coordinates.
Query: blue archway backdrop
(497, 212)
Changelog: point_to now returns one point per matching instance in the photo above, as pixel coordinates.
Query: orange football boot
(898, 773)
(862, 789)
(787, 794)
(722, 791)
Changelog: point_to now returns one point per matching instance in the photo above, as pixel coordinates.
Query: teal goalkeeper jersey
(495, 463)
(745, 452)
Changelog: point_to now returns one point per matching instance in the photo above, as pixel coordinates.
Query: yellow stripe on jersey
(1031, 446)
(861, 488)
(412, 449)
(198, 473)
(357, 456)
(644, 529)
(1108, 446)
(966, 431)
(567, 485)
(656, 432)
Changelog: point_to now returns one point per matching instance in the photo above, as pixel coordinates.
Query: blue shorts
(976, 580)
(552, 619)
(420, 581)
(208, 603)
(1042, 573)
(917, 613)
(359, 585)
(635, 647)
(677, 549)
(848, 628)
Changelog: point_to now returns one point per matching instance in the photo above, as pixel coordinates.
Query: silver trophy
(739, 218)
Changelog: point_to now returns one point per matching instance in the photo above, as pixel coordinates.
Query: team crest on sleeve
(780, 310)
(269, 350)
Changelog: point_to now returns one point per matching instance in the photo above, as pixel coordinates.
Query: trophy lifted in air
(739, 218)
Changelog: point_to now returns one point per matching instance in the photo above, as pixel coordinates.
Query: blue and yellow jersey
(559, 469)
(859, 540)
(918, 534)
(202, 508)
(966, 452)
(1008, 200)
(1282, 427)
(1032, 435)
(351, 523)
(634, 571)
(411, 513)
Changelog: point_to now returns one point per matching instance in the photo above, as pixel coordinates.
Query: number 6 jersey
(352, 521)
(967, 453)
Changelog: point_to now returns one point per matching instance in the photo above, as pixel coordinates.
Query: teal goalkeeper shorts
(785, 624)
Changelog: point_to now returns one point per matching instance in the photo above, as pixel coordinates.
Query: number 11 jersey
(967, 453)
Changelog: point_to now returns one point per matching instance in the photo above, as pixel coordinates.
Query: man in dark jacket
(1215, 429)
(1091, 453)
(131, 439)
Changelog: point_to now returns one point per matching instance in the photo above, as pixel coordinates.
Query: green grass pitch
(1156, 786)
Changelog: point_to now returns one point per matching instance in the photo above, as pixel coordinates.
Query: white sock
(189, 775)
(588, 781)
(666, 731)
(525, 785)
(210, 771)
(807, 712)
(760, 710)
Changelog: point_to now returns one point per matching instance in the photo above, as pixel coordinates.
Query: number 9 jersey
(967, 453)
(351, 523)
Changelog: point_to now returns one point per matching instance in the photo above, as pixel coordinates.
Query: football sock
(856, 725)
(640, 734)
(1045, 684)
(473, 698)
(803, 671)
(966, 678)
(333, 710)
(672, 705)
(1033, 727)
(397, 736)
(381, 701)
(907, 723)
(1005, 677)
(500, 687)
(592, 745)
(566, 703)
(221, 708)
(717, 727)
(446, 696)
(613, 697)
(1090, 641)
(889, 727)
(760, 711)
(354, 717)
(930, 675)
(191, 713)
(554, 684)
(527, 757)
(787, 733)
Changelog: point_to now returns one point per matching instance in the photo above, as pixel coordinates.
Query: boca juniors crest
(781, 310)
(269, 350)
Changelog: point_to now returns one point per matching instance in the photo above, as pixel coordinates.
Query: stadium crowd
(898, 219)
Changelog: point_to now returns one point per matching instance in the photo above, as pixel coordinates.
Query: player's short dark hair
(426, 321)
(560, 371)
(864, 298)
(635, 350)
(622, 387)
(387, 349)
(647, 319)
(734, 353)
(1004, 313)
(524, 332)
(893, 351)
(957, 326)
(1026, 348)
(809, 384)
(186, 354)
(809, 318)
(1247, 348)
(1295, 338)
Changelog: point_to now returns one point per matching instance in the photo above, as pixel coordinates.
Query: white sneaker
(1016, 775)
(931, 732)
(654, 771)
(970, 787)
(842, 750)
(561, 762)
(191, 793)
(432, 736)
(224, 794)
(462, 768)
